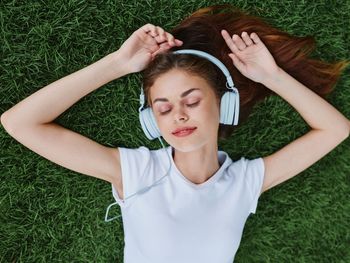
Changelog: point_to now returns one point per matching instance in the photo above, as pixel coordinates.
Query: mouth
(184, 132)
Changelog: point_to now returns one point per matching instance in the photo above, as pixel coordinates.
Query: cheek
(212, 111)
(161, 122)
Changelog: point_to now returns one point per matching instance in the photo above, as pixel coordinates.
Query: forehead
(175, 82)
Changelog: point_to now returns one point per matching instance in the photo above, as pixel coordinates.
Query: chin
(187, 146)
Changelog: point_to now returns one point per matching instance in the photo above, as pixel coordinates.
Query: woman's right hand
(142, 46)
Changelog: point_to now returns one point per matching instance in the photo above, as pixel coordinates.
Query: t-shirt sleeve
(254, 171)
(134, 163)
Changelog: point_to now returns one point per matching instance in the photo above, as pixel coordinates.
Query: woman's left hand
(251, 57)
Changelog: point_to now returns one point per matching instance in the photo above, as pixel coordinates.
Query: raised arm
(31, 120)
(329, 129)
(46, 104)
(329, 126)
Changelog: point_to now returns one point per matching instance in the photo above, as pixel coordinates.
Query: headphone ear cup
(148, 123)
(227, 108)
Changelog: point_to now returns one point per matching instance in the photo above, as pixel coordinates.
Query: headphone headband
(212, 59)
(229, 83)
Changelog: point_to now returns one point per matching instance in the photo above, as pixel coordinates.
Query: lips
(183, 129)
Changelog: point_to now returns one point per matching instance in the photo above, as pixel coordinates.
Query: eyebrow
(182, 95)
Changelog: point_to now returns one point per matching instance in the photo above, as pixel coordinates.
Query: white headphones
(229, 105)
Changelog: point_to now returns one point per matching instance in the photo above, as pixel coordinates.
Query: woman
(203, 220)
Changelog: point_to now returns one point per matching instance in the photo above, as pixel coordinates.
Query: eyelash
(189, 105)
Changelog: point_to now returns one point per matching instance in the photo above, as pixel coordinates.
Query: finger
(164, 36)
(160, 38)
(236, 61)
(255, 38)
(167, 45)
(170, 39)
(178, 42)
(239, 42)
(150, 29)
(161, 33)
(247, 40)
(173, 41)
(162, 48)
(154, 32)
(229, 41)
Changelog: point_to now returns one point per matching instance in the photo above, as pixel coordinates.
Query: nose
(180, 114)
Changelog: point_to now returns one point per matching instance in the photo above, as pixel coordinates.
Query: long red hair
(201, 30)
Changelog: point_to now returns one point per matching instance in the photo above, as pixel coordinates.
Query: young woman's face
(183, 100)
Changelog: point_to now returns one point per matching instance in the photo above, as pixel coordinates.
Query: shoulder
(140, 155)
(136, 152)
(251, 164)
(245, 163)
(245, 167)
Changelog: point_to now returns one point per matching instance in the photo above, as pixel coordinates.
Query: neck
(199, 165)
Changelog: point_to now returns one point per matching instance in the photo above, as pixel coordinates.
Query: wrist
(274, 79)
(117, 64)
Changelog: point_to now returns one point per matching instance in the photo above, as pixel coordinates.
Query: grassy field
(51, 214)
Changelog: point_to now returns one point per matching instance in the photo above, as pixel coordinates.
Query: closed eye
(193, 104)
(188, 105)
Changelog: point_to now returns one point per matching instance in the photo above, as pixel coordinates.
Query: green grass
(51, 214)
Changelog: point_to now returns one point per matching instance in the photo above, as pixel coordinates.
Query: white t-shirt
(178, 220)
